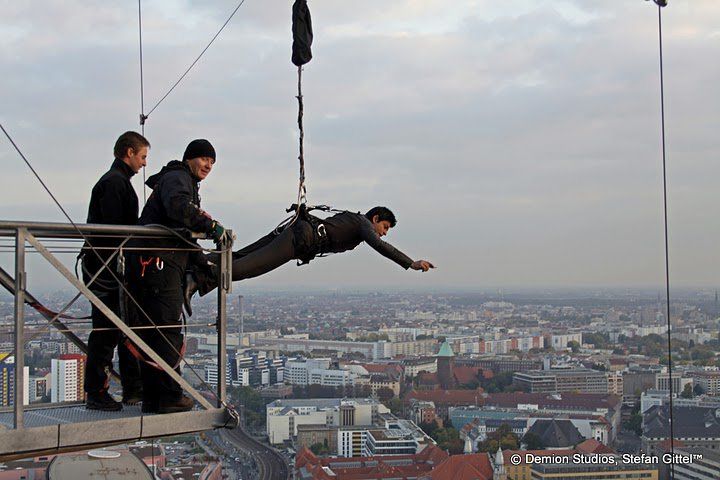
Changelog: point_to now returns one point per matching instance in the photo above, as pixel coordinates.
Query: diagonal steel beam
(8, 282)
(65, 272)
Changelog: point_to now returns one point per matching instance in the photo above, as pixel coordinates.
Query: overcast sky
(517, 142)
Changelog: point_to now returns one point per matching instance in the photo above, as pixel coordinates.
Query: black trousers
(159, 294)
(264, 255)
(101, 346)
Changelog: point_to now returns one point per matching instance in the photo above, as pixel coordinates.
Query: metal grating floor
(53, 415)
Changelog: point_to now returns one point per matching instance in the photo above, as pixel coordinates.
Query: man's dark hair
(129, 140)
(383, 213)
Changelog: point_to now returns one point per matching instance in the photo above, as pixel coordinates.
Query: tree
(698, 389)
(687, 391)
(599, 340)
(384, 394)
(503, 437)
(429, 428)
(254, 405)
(320, 448)
(634, 423)
(574, 346)
(449, 439)
(395, 405)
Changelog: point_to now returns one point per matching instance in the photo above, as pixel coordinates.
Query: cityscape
(503, 384)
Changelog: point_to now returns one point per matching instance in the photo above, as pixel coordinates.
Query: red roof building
(431, 464)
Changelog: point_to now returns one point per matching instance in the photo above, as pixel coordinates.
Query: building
(445, 364)
(316, 371)
(615, 383)
(444, 399)
(591, 471)
(413, 348)
(431, 463)
(380, 382)
(413, 366)
(560, 342)
(371, 350)
(211, 374)
(309, 466)
(636, 381)
(503, 346)
(662, 382)
(577, 380)
(297, 370)
(7, 379)
(709, 381)
(424, 412)
(39, 386)
(693, 426)
(309, 435)
(501, 363)
(556, 433)
(284, 416)
(705, 464)
(391, 436)
(67, 374)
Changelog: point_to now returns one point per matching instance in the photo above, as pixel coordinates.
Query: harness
(320, 241)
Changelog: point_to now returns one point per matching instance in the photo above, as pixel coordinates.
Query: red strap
(140, 357)
(47, 312)
(144, 264)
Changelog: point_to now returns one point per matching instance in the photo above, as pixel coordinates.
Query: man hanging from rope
(304, 239)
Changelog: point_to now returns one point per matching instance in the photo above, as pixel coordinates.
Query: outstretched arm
(385, 249)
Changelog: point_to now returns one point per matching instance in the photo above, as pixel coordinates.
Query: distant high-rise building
(7, 379)
(66, 378)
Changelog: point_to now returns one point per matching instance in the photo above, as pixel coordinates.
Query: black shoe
(183, 404)
(191, 287)
(149, 406)
(102, 401)
(132, 398)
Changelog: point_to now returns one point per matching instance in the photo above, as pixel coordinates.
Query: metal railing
(31, 233)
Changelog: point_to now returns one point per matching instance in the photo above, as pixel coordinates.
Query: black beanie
(199, 148)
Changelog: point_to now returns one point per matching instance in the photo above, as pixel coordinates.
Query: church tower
(445, 364)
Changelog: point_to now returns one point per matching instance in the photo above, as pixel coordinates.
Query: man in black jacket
(113, 201)
(305, 239)
(158, 270)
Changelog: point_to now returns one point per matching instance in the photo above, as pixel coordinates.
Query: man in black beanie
(158, 270)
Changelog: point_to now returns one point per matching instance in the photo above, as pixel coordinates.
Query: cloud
(517, 141)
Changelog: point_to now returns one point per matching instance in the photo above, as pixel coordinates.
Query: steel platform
(67, 428)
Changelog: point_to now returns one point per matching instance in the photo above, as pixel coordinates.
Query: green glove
(217, 232)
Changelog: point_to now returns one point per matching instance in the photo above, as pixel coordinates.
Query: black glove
(217, 232)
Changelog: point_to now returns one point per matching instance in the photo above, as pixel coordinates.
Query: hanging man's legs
(263, 256)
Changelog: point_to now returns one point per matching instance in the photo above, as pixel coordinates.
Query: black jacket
(347, 230)
(174, 203)
(113, 201)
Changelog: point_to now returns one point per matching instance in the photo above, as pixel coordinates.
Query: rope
(660, 4)
(120, 284)
(196, 60)
(142, 91)
(302, 191)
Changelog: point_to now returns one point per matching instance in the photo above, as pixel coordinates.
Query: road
(271, 465)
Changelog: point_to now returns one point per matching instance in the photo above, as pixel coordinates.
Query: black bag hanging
(302, 33)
